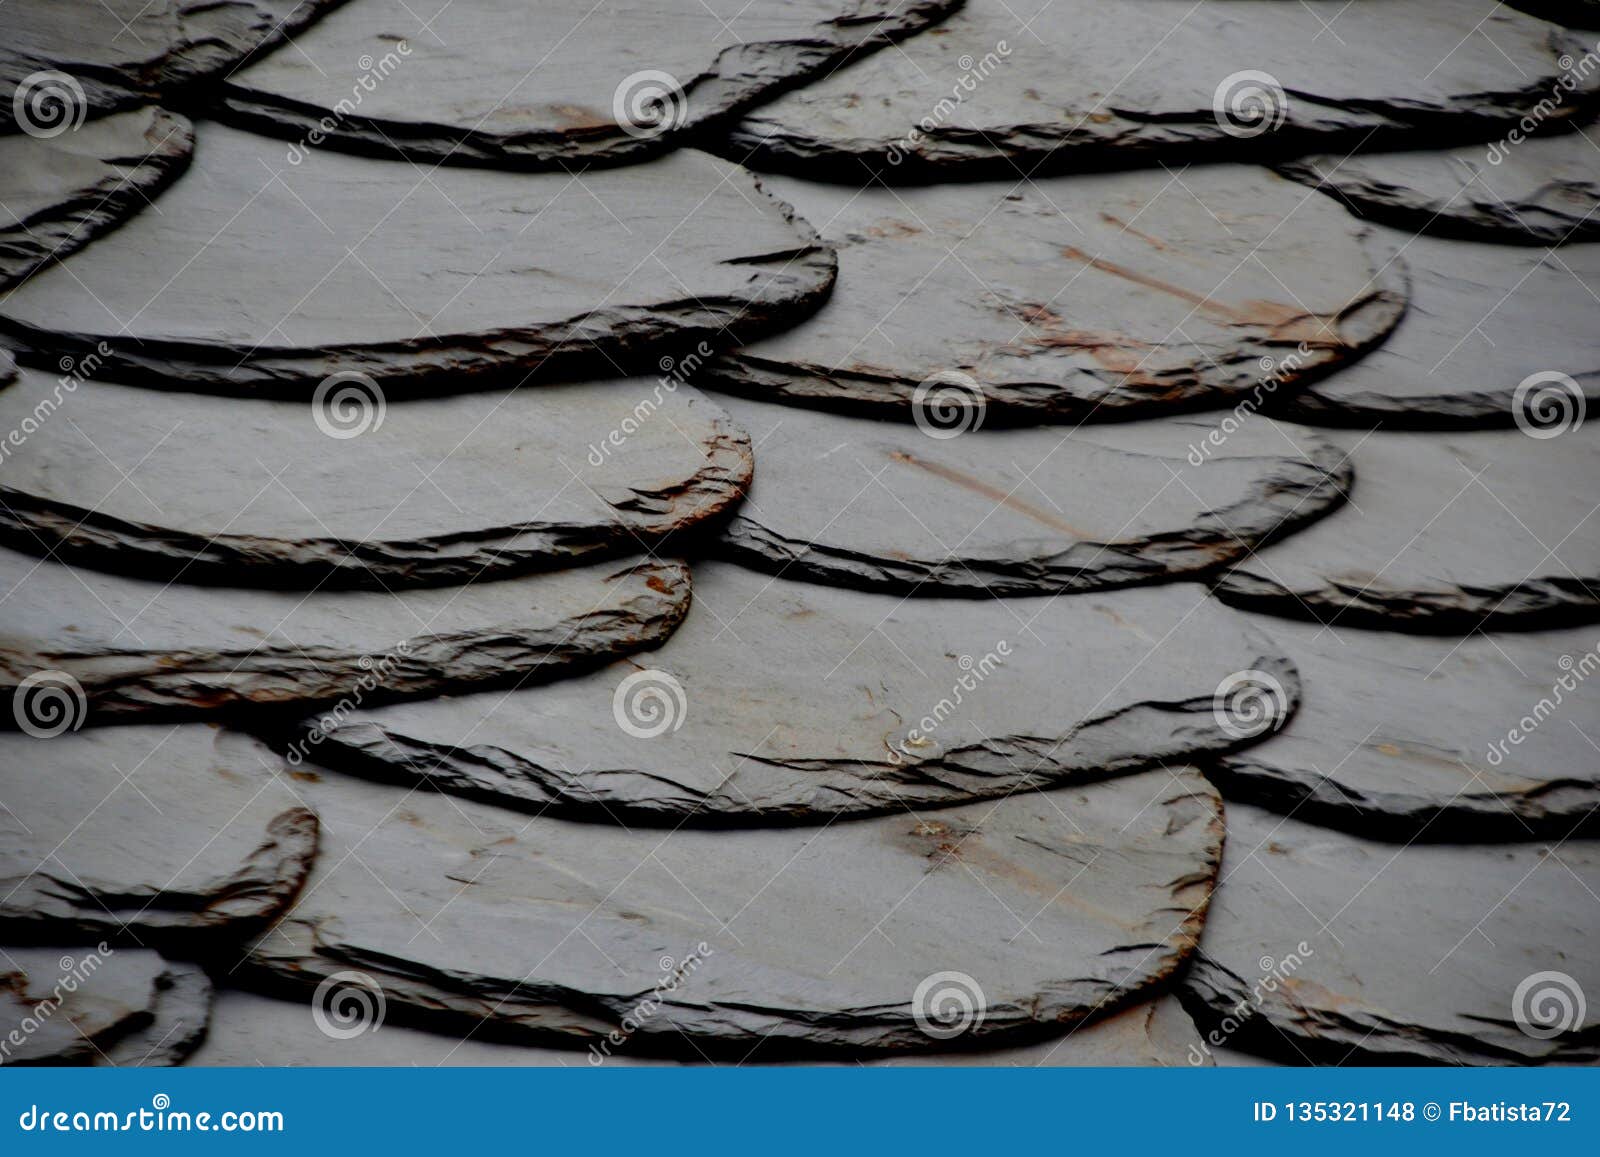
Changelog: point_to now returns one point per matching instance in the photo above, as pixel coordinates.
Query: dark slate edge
(180, 1014)
(1362, 325)
(1093, 750)
(1560, 808)
(1340, 406)
(141, 685)
(72, 223)
(1287, 500)
(43, 908)
(1218, 1000)
(742, 77)
(609, 342)
(1570, 13)
(1547, 602)
(40, 526)
(952, 153)
(544, 1014)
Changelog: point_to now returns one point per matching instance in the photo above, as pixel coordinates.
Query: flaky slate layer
(1429, 953)
(558, 931)
(143, 649)
(58, 193)
(428, 492)
(1094, 298)
(463, 280)
(443, 81)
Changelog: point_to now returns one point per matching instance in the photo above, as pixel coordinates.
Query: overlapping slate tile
(126, 1007)
(63, 60)
(782, 702)
(1325, 948)
(142, 835)
(263, 275)
(1542, 190)
(1092, 298)
(1484, 319)
(1444, 534)
(608, 82)
(1446, 740)
(1011, 89)
(59, 193)
(350, 491)
(1573, 13)
(1034, 912)
(854, 503)
(143, 649)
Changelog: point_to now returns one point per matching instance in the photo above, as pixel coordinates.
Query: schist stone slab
(1325, 948)
(850, 502)
(1484, 320)
(422, 280)
(144, 834)
(1444, 740)
(1541, 190)
(1444, 534)
(59, 193)
(605, 83)
(67, 59)
(350, 491)
(99, 1005)
(1034, 913)
(145, 649)
(1069, 300)
(1018, 89)
(791, 702)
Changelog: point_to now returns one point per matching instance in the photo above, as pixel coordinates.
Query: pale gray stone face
(373, 493)
(849, 502)
(265, 275)
(1084, 299)
(121, 53)
(1326, 948)
(126, 1007)
(1444, 534)
(146, 649)
(1014, 90)
(601, 83)
(792, 702)
(1482, 739)
(1037, 910)
(1534, 191)
(58, 193)
(1483, 319)
(147, 835)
